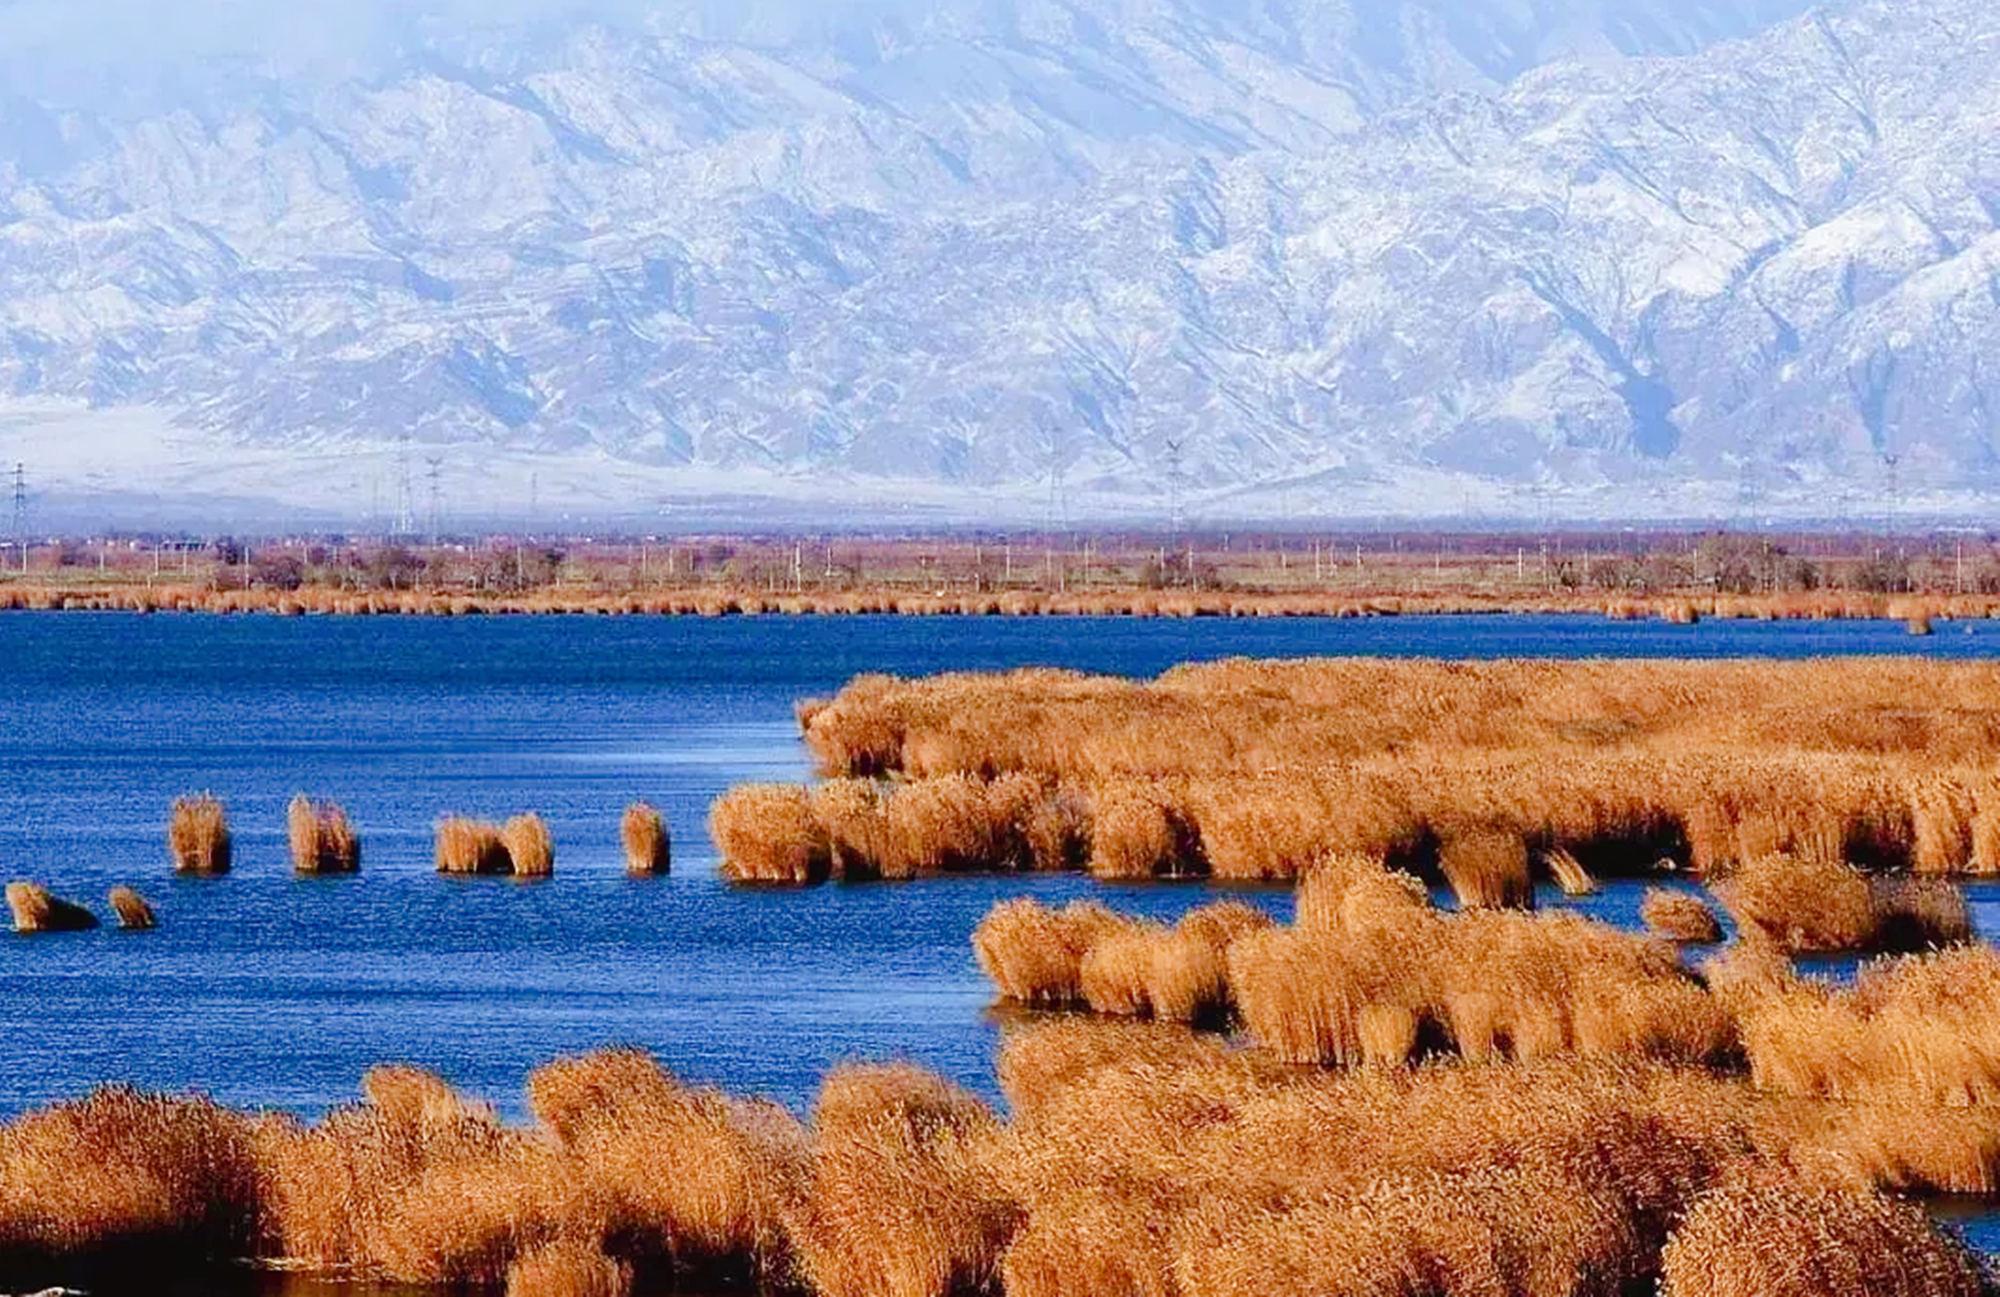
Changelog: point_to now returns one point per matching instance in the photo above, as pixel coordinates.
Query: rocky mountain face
(1010, 257)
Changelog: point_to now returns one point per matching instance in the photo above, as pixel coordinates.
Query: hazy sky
(109, 49)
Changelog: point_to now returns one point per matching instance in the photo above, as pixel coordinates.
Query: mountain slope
(975, 257)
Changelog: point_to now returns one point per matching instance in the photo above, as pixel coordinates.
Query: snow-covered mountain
(972, 257)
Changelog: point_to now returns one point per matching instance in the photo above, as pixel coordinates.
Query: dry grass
(568, 1268)
(1569, 873)
(322, 841)
(1035, 955)
(468, 846)
(691, 1180)
(1679, 916)
(1368, 974)
(198, 835)
(648, 847)
(1777, 1237)
(1487, 869)
(1918, 1028)
(132, 910)
(1821, 904)
(905, 1199)
(1141, 1158)
(1254, 770)
(767, 833)
(35, 910)
(531, 851)
(122, 1176)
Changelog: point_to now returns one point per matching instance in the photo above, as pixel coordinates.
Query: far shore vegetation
(1913, 578)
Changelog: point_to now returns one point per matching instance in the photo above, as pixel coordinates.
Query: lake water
(268, 990)
(265, 989)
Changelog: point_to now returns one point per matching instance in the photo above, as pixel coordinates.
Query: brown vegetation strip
(1478, 774)
(1413, 596)
(1139, 1159)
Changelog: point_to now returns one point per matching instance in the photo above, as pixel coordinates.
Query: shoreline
(1914, 610)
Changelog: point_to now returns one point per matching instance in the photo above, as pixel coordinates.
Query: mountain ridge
(1083, 268)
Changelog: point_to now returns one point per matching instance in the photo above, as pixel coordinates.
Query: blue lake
(264, 989)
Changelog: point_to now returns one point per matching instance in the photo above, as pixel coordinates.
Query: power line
(21, 512)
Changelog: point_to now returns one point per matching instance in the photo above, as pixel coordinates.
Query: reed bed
(35, 910)
(198, 835)
(1263, 715)
(1265, 590)
(642, 831)
(1776, 1237)
(568, 1268)
(905, 1196)
(1370, 973)
(1139, 1158)
(468, 846)
(1813, 904)
(132, 909)
(531, 849)
(321, 839)
(1264, 811)
(1679, 916)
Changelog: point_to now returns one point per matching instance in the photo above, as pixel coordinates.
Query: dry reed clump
(1035, 955)
(418, 1186)
(467, 846)
(132, 910)
(1487, 869)
(1371, 975)
(1354, 894)
(1201, 1174)
(1777, 1237)
(1819, 904)
(568, 1268)
(322, 841)
(1916, 1028)
(1679, 916)
(35, 910)
(198, 835)
(648, 847)
(1141, 831)
(922, 828)
(689, 1180)
(1569, 873)
(904, 1198)
(767, 833)
(121, 1177)
(1040, 1061)
(531, 851)
(1253, 770)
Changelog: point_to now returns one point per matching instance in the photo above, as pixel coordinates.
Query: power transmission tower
(406, 521)
(1174, 493)
(1889, 461)
(21, 512)
(436, 465)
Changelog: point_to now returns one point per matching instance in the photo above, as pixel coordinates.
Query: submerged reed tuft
(198, 835)
(467, 846)
(321, 839)
(768, 833)
(35, 910)
(1679, 916)
(531, 851)
(132, 910)
(648, 847)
